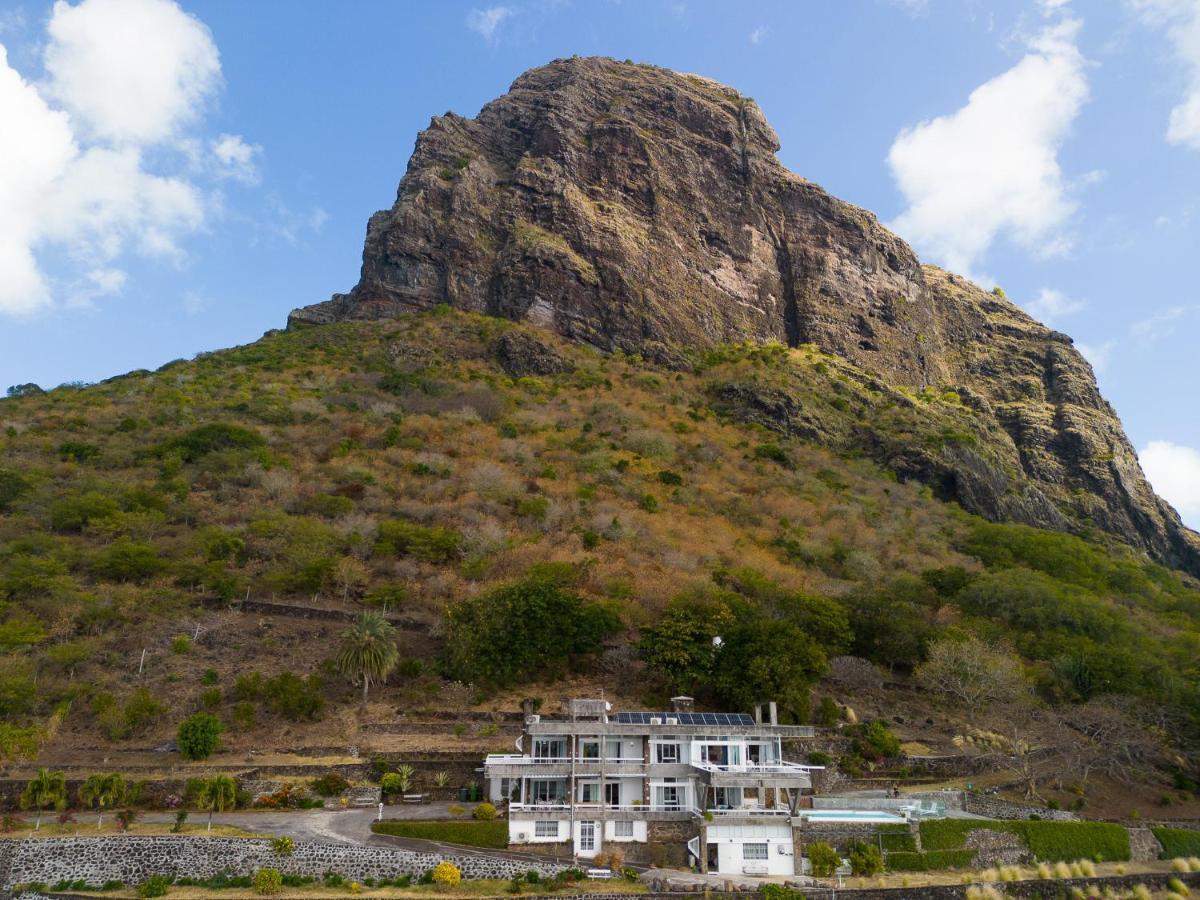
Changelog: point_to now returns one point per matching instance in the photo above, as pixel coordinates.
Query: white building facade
(710, 789)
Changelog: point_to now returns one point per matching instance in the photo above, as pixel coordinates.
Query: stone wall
(132, 859)
(995, 808)
(836, 834)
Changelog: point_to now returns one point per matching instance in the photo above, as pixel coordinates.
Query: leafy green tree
(199, 736)
(12, 487)
(101, 791)
(865, 859)
(824, 859)
(524, 629)
(825, 620)
(46, 790)
(680, 647)
(368, 652)
(763, 658)
(217, 794)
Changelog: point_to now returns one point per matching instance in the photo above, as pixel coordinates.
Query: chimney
(681, 704)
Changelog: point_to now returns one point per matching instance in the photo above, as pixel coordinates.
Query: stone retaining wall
(132, 859)
(995, 808)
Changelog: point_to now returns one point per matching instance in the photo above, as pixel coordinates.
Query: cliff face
(634, 208)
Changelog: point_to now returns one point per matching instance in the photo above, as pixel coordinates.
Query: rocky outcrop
(633, 208)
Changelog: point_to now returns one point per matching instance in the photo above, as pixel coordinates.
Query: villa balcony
(648, 811)
(780, 774)
(516, 765)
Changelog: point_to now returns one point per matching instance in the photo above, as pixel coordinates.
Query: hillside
(631, 207)
(221, 514)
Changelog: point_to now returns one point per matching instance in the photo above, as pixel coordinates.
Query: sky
(175, 177)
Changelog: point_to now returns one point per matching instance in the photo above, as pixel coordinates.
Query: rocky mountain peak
(634, 208)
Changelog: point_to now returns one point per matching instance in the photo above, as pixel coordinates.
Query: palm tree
(45, 789)
(217, 794)
(101, 791)
(368, 652)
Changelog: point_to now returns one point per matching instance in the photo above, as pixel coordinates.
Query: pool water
(849, 815)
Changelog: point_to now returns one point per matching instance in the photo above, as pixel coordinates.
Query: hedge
(1178, 842)
(1048, 841)
(898, 841)
(491, 834)
(904, 861)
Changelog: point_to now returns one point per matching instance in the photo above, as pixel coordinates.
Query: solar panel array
(686, 718)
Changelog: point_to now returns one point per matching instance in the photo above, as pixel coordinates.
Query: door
(587, 838)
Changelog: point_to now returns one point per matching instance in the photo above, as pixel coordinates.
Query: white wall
(639, 833)
(524, 831)
(730, 838)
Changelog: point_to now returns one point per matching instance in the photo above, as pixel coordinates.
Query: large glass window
(544, 790)
(549, 748)
(666, 753)
(612, 793)
(545, 829)
(589, 749)
(622, 829)
(589, 792)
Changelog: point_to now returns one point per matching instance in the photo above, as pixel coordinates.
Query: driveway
(339, 826)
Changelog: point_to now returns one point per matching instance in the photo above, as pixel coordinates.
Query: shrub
(909, 861)
(283, 845)
(154, 886)
(824, 859)
(819, 758)
(774, 453)
(446, 874)
(181, 644)
(1178, 842)
(199, 736)
(874, 740)
(330, 784)
(1049, 841)
(484, 812)
(865, 859)
(409, 539)
(293, 697)
(491, 834)
(268, 881)
(210, 438)
(779, 892)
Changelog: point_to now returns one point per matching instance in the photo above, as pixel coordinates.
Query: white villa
(714, 783)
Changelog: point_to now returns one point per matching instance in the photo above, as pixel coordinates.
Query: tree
(824, 859)
(368, 652)
(217, 794)
(350, 577)
(680, 647)
(101, 791)
(767, 658)
(972, 673)
(45, 790)
(199, 736)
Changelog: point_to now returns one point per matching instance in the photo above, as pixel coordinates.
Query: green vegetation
(825, 859)
(217, 794)
(1178, 842)
(1048, 841)
(470, 833)
(368, 651)
(199, 736)
(932, 860)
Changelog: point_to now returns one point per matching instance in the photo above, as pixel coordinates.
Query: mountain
(632, 208)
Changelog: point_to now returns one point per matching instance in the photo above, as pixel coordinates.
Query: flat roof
(737, 720)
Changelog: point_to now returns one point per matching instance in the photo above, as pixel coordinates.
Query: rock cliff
(634, 208)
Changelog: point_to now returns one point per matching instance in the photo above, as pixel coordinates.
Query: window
(545, 829)
(549, 748)
(622, 829)
(546, 791)
(668, 797)
(590, 750)
(754, 851)
(667, 753)
(587, 837)
(612, 793)
(589, 792)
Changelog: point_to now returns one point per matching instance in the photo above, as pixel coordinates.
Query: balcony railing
(612, 807)
(779, 768)
(748, 811)
(517, 759)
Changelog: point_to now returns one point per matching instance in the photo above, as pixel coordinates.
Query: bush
(819, 758)
(446, 874)
(484, 812)
(154, 886)
(824, 859)
(478, 833)
(210, 438)
(128, 560)
(283, 845)
(874, 740)
(330, 784)
(408, 539)
(908, 861)
(779, 892)
(268, 881)
(293, 697)
(1178, 842)
(865, 859)
(199, 736)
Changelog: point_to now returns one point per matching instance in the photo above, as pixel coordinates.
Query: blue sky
(175, 178)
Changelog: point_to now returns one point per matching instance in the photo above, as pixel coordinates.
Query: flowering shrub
(446, 874)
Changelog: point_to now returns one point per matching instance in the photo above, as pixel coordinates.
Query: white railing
(743, 811)
(517, 759)
(779, 768)
(614, 807)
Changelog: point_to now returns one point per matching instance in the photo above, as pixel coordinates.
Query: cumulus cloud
(1180, 19)
(1174, 472)
(1051, 305)
(125, 80)
(991, 168)
(485, 21)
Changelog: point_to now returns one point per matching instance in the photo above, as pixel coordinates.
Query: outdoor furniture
(599, 873)
(755, 869)
(413, 798)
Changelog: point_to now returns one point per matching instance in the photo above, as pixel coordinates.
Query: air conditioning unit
(655, 720)
(532, 720)
(672, 720)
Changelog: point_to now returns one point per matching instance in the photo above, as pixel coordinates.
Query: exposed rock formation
(631, 207)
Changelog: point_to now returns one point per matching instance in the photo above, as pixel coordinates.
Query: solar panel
(740, 720)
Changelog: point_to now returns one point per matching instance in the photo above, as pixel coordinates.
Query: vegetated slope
(630, 207)
(445, 466)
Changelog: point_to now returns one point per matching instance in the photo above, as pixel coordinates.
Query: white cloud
(124, 78)
(991, 168)
(1174, 472)
(486, 21)
(236, 158)
(1050, 305)
(758, 34)
(130, 70)
(1097, 354)
(912, 7)
(1161, 324)
(1181, 21)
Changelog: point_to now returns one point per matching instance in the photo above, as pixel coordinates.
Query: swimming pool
(851, 815)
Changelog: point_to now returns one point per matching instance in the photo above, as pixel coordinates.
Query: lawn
(492, 835)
